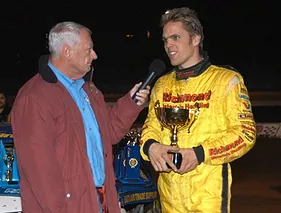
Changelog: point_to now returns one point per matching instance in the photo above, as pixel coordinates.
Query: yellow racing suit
(224, 131)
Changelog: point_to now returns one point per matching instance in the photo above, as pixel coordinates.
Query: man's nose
(169, 43)
(94, 55)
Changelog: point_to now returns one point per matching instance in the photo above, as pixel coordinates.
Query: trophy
(176, 119)
(8, 161)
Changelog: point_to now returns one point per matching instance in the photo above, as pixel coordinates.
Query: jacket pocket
(75, 191)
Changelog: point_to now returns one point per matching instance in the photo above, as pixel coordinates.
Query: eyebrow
(170, 36)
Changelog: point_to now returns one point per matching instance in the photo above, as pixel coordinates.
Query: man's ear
(196, 40)
(66, 50)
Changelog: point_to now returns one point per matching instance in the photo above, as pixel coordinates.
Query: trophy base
(177, 159)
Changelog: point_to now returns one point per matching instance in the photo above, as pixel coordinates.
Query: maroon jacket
(51, 149)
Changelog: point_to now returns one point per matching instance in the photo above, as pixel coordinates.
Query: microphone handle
(144, 84)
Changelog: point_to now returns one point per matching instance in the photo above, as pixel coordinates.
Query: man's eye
(175, 37)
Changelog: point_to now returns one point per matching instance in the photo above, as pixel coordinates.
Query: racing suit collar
(194, 70)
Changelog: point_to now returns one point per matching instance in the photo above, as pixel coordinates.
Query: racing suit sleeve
(153, 133)
(33, 129)
(240, 136)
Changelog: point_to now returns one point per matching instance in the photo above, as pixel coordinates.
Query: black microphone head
(157, 66)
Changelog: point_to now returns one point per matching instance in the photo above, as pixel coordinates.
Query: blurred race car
(135, 183)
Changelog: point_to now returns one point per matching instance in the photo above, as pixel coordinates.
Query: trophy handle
(158, 115)
(157, 104)
(193, 116)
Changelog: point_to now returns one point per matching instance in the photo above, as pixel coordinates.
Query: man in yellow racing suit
(223, 131)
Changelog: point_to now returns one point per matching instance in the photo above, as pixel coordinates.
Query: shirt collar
(65, 80)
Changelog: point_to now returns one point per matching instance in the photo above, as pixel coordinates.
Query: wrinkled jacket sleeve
(122, 117)
(117, 119)
(240, 135)
(34, 142)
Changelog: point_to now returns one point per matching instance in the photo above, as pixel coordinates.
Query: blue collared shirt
(93, 139)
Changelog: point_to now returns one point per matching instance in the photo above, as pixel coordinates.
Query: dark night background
(243, 34)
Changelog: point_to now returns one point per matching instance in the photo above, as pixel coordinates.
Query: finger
(135, 88)
(138, 85)
(160, 168)
(143, 93)
(183, 169)
(141, 101)
(160, 165)
(156, 164)
(171, 164)
(156, 167)
(165, 167)
(184, 165)
(173, 149)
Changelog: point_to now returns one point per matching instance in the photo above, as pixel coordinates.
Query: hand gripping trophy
(176, 119)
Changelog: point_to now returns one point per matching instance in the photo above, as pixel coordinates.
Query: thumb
(135, 88)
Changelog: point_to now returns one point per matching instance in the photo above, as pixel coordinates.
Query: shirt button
(90, 129)
(68, 195)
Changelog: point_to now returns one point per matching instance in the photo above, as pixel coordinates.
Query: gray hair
(64, 33)
(189, 19)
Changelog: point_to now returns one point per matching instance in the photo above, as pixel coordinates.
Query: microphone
(155, 68)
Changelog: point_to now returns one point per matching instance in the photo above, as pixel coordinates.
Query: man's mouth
(171, 54)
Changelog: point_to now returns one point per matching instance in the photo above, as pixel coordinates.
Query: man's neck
(65, 69)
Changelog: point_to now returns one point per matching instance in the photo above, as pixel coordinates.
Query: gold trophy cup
(176, 119)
